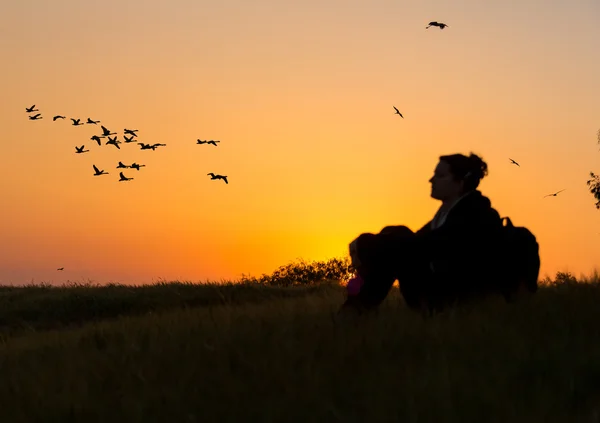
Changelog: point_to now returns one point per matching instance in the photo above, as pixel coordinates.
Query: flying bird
(398, 112)
(99, 172)
(61, 268)
(31, 109)
(555, 194)
(124, 178)
(213, 142)
(76, 122)
(131, 132)
(106, 132)
(213, 176)
(58, 117)
(79, 150)
(113, 141)
(122, 166)
(149, 147)
(97, 139)
(93, 122)
(128, 139)
(136, 166)
(512, 161)
(438, 24)
(36, 117)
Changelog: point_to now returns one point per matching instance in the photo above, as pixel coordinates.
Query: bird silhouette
(76, 122)
(438, 24)
(213, 142)
(79, 150)
(213, 176)
(149, 147)
(36, 117)
(113, 141)
(122, 166)
(555, 194)
(106, 132)
(61, 268)
(512, 161)
(98, 171)
(58, 117)
(124, 178)
(131, 132)
(136, 166)
(92, 122)
(398, 112)
(97, 139)
(128, 139)
(31, 109)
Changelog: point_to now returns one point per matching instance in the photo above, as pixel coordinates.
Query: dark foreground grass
(286, 360)
(45, 306)
(42, 307)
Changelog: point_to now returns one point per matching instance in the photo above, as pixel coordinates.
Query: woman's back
(463, 251)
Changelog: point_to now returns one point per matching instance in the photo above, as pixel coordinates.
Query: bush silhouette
(305, 273)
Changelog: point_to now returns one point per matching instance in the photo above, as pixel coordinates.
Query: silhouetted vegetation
(42, 307)
(594, 187)
(594, 182)
(306, 273)
(268, 349)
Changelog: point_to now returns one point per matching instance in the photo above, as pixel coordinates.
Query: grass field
(264, 351)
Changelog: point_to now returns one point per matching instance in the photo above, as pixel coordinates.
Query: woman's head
(455, 175)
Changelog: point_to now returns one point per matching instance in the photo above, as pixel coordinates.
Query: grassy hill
(268, 349)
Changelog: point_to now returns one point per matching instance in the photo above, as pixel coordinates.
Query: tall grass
(270, 350)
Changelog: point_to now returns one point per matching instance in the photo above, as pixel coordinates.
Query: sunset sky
(300, 94)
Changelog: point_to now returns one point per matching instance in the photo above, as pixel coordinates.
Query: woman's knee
(362, 242)
(361, 247)
(396, 230)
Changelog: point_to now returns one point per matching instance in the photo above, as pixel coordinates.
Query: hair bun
(477, 167)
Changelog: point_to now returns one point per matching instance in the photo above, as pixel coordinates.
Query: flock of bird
(129, 136)
(441, 25)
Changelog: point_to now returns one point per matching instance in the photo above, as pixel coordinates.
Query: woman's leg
(417, 285)
(421, 287)
(377, 259)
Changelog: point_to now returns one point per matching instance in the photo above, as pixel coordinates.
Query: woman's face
(444, 186)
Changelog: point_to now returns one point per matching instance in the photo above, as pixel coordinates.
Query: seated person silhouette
(446, 261)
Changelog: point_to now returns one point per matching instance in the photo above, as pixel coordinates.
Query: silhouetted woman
(446, 261)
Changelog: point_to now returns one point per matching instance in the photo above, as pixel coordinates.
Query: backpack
(520, 260)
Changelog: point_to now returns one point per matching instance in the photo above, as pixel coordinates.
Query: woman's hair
(469, 169)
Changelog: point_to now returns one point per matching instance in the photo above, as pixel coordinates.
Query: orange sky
(300, 95)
